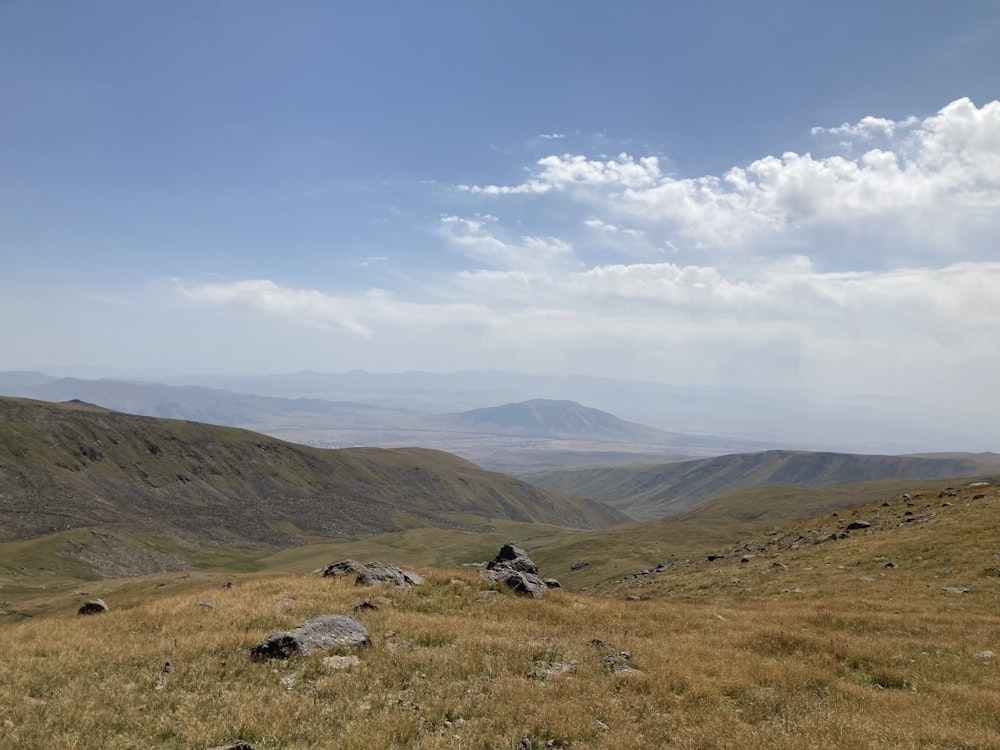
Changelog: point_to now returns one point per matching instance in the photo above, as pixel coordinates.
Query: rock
(370, 574)
(955, 590)
(235, 745)
(375, 572)
(859, 524)
(513, 568)
(746, 558)
(93, 607)
(980, 496)
(321, 633)
(206, 605)
(890, 564)
(515, 557)
(984, 654)
(364, 604)
(552, 583)
(413, 579)
(579, 565)
(342, 568)
(523, 584)
(715, 556)
(778, 565)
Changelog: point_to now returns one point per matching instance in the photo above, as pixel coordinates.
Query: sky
(782, 195)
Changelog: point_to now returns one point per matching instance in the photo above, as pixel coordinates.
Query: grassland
(879, 638)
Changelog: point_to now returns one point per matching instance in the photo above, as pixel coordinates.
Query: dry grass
(805, 656)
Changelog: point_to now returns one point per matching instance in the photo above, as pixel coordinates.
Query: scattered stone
(747, 558)
(341, 662)
(866, 579)
(601, 725)
(955, 590)
(206, 605)
(890, 564)
(288, 683)
(285, 601)
(980, 496)
(552, 583)
(580, 565)
(227, 585)
(459, 582)
(716, 556)
(779, 565)
(984, 654)
(859, 524)
(364, 604)
(947, 492)
(321, 633)
(618, 664)
(93, 607)
(235, 745)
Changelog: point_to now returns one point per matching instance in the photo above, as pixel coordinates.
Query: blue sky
(777, 194)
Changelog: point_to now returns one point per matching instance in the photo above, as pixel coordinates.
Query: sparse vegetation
(834, 649)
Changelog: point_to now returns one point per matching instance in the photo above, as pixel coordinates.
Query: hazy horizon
(712, 195)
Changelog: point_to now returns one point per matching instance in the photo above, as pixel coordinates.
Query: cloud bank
(868, 265)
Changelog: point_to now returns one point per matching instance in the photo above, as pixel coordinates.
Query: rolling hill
(542, 417)
(65, 466)
(661, 490)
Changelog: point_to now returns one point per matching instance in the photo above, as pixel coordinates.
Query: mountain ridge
(663, 489)
(77, 465)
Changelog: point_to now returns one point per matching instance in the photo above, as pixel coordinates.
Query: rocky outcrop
(322, 633)
(513, 568)
(370, 574)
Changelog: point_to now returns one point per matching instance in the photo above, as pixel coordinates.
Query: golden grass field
(833, 650)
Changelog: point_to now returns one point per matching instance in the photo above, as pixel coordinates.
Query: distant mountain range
(747, 419)
(661, 490)
(550, 432)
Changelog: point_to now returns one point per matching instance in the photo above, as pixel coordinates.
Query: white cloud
(552, 136)
(475, 241)
(947, 164)
(582, 279)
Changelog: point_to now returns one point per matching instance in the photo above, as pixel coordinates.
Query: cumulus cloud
(948, 162)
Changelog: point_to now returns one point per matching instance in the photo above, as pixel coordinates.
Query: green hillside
(67, 466)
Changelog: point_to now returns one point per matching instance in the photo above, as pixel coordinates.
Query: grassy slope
(658, 490)
(833, 649)
(65, 466)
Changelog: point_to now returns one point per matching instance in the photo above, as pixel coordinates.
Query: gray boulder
(513, 568)
(515, 557)
(321, 633)
(370, 574)
(343, 568)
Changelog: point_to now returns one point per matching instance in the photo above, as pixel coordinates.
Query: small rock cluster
(513, 568)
